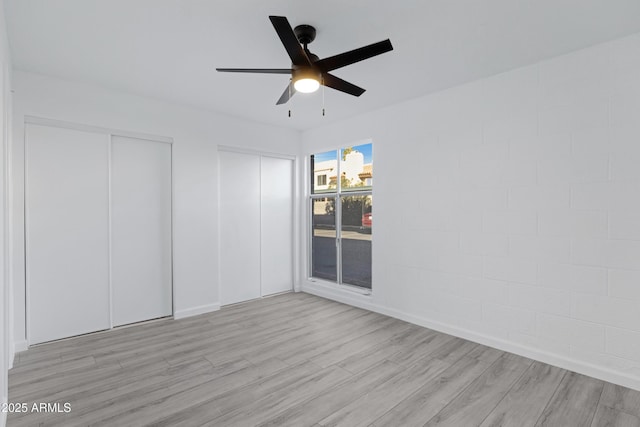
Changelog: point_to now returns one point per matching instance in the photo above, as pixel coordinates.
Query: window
(341, 215)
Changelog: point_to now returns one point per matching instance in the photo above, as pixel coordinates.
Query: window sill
(340, 287)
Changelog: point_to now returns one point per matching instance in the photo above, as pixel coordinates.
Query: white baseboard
(194, 311)
(581, 367)
(12, 355)
(21, 346)
(16, 347)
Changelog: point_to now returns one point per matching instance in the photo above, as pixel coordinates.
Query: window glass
(324, 239)
(341, 206)
(356, 240)
(324, 167)
(356, 167)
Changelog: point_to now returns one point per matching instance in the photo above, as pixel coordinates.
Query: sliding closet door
(277, 224)
(140, 230)
(239, 227)
(67, 232)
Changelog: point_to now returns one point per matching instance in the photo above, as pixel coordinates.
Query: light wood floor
(299, 360)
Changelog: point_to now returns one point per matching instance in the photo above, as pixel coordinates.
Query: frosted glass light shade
(306, 85)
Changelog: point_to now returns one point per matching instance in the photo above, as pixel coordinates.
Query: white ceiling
(168, 49)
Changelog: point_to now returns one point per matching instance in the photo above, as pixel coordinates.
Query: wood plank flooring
(299, 360)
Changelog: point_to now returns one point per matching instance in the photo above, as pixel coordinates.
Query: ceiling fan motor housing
(304, 72)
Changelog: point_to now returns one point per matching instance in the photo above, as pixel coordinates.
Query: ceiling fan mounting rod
(305, 34)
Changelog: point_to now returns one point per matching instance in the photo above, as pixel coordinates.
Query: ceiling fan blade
(287, 94)
(337, 83)
(289, 40)
(256, 70)
(353, 56)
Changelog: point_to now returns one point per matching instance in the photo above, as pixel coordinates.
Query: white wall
(507, 210)
(196, 135)
(6, 339)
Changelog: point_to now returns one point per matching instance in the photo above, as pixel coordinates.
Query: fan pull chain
(290, 97)
(322, 96)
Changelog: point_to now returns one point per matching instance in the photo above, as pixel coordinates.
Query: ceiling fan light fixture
(306, 79)
(306, 85)
(308, 72)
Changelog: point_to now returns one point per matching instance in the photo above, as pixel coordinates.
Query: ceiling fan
(308, 71)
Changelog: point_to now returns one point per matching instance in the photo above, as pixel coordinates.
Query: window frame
(338, 193)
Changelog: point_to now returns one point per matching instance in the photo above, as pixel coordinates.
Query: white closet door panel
(67, 236)
(277, 225)
(140, 230)
(239, 227)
